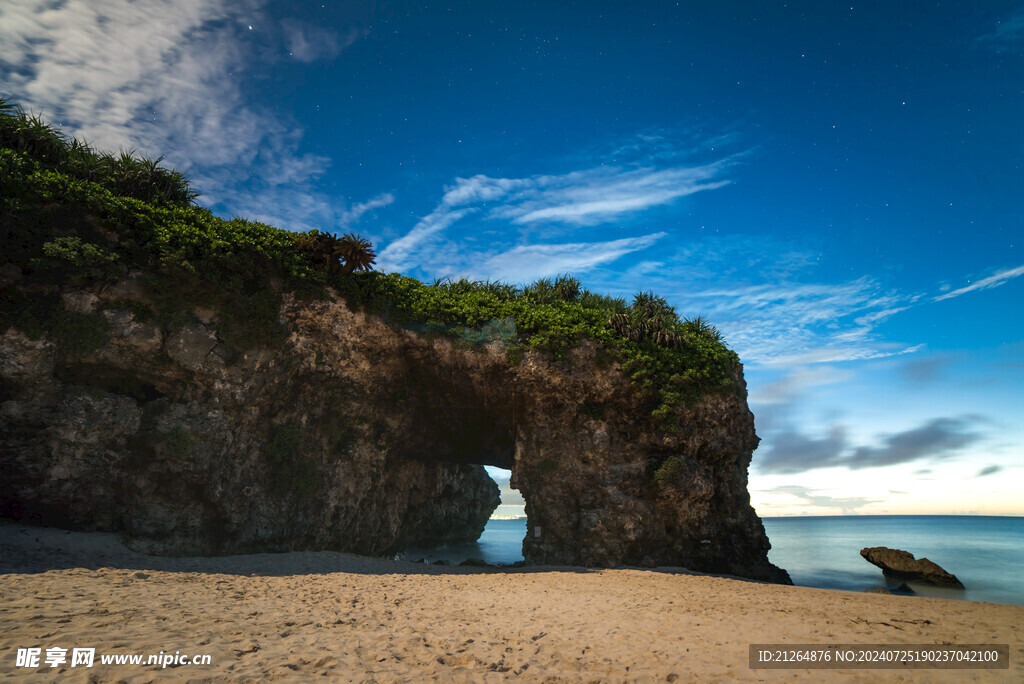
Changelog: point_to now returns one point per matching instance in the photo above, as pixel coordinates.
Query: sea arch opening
(501, 541)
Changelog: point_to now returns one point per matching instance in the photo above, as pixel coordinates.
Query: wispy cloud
(793, 324)
(989, 470)
(504, 207)
(939, 439)
(309, 43)
(792, 384)
(791, 451)
(587, 197)
(400, 254)
(163, 78)
(356, 211)
(604, 194)
(995, 280)
(846, 504)
(1008, 33)
(529, 262)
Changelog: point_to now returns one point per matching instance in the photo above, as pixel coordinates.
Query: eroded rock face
(359, 436)
(903, 565)
(602, 488)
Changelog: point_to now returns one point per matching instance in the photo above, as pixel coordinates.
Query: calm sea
(986, 553)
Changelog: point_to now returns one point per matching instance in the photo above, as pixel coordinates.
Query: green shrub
(129, 175)
(77, 253)
(669, 470)
(514, 353)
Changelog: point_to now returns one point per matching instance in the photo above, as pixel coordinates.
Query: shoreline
(302, 614)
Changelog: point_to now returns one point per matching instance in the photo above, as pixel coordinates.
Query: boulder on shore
(903, 565)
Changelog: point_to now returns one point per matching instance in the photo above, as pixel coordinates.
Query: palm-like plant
(564, 288)
(356, 253)
(567, 288)
(504, 292)
(320, 248)
(648, 317)
(85, 163)
(30, 134)
(125, 174)
(700, 327)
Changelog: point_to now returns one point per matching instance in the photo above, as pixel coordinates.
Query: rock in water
(901, 564)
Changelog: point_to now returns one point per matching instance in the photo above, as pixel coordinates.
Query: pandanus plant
(125, 174)
(345, 254)
(30, 134)
(650, 317)
(564, 288)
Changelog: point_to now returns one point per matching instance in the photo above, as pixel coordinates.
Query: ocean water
(500, 544)
(986, 553)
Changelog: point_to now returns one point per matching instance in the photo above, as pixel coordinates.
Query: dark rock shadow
(27, 549)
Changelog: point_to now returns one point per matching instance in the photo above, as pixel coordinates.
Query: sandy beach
(299, 616)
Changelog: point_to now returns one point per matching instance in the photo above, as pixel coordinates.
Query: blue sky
(836, 185)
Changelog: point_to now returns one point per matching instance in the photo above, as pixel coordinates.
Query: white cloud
(596, 195)
(399, 254)
(814, 498)
(588, 197)
(356, 211)
(481, 188)
(294, 170)
(150, 75)
(309, 43)
(867, 324)
(833, 353)
(792, 384)
(529, 262)
(796, 324)
(163, 78)
(1000, 278)
(1007, 34)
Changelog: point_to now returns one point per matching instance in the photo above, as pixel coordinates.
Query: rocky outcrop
(353, 434)
(902, 565)
(602, 487)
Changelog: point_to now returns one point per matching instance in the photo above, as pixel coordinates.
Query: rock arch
(358, 435)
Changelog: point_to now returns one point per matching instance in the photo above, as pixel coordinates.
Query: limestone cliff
(354, 434)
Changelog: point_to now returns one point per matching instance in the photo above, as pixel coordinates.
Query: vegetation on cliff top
(72, 215)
